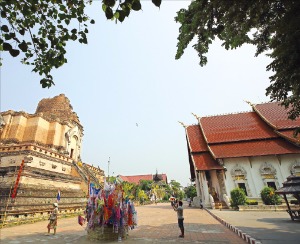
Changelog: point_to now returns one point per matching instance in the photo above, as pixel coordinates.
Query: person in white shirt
(179, 211)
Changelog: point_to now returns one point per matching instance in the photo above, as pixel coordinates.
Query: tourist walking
(53, 219)
(179, 210)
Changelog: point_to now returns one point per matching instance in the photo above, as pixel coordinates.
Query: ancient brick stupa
(40, 156)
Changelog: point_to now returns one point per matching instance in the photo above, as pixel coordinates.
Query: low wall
(266, 207)
(23, 218)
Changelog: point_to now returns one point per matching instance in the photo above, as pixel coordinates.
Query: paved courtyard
(156, 224)
(266, 227)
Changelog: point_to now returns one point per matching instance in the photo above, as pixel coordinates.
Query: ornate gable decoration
(267, 169)
(295, 168)
(238, 171)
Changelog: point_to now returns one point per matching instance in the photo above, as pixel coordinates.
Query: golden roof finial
(196, 116)
(251, 104)
(182, 124)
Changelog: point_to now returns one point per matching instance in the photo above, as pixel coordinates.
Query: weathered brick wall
(43, 137)
(29, 128)
(36, 204)
(57, 107)
(16, 127)
(55, 134)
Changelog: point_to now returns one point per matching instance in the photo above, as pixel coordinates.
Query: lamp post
(108, 163)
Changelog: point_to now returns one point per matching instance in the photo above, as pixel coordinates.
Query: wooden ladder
(8, 198)
(14, 193)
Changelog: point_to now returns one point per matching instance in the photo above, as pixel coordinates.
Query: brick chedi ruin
(40, 156)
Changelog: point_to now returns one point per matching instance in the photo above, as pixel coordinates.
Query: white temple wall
(269, 163)
(50, 165)
(288, 162)
(231, 164)
(260, 171)
(37, 162)
(14, 160)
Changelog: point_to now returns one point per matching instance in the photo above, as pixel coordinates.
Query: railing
(212, 201)
(226, 200)
(79, 170)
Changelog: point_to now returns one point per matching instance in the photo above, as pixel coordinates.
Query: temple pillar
(197, 184)
(204, 189)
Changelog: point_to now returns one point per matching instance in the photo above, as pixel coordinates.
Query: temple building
(249, 150)
(40, 161)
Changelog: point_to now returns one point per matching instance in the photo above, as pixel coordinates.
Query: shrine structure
(249, 150)
(40, 162)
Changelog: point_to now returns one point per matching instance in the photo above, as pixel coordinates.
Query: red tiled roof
(136, 178)
(265, 131)
(196, 139)
(275, 146)
(276, 115)
(289, 134)
(235, 127)
(204, 161)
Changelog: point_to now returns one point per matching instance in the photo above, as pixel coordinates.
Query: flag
(58, 195)
(94, 190)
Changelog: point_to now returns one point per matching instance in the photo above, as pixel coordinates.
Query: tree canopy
(40, 29)
(273, 26)
(190, 191)
(176, 188)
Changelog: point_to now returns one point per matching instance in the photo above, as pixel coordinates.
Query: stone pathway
(156, 224)
(267, 227)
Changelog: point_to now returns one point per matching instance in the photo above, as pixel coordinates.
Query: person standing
(179, 211)
(53, 219)
(201, 205)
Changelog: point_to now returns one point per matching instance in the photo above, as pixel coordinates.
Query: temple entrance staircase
(87, 175)
(220, 205)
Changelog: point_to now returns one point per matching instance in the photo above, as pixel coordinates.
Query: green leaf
(121, 15)
(136, 5)
(14, 52)
(117, 15)
(109, 3)
(125, 9)
(6, 46)
(157, 3)
(109, 13)
(73, 37)
(23, 46)
(4, 28)
(104, 7)
(7, 36)
(3, 14)
(22, 31)
(92, 21)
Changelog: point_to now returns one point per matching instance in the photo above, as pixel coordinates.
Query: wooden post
(89, 182)
(288, 205)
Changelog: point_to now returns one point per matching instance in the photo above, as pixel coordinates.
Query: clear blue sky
(127, 74)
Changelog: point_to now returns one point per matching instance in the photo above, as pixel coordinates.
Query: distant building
(137, 178)
(249, 150)
(49, 144)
